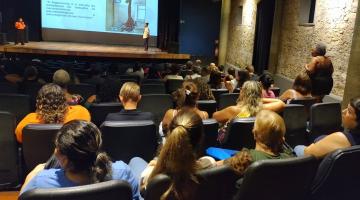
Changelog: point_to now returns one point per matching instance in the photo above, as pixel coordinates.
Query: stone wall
(333, 24)
(241, 36)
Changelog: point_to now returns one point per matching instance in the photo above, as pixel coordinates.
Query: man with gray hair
(320, 71)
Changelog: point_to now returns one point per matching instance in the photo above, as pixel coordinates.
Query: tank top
(353, 136)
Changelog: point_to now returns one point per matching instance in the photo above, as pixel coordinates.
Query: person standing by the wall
(20, 31)
(146, 36)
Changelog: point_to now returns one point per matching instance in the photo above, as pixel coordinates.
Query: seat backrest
(211, 127)
(157, 104)
(295, 119)
(337, 175)
(8, 88)
(153, 89)
(123, 140)
(83, 89)
(9, 170)
(239, 134)
(17, 104)
(226, 100)
(276, 91)
(218, 92)
(99, 111)
(32, 90)
(306, 101)
(325, 118)
(153, 81)
(214, 184)
(280, 179)
(207, 105)
(173, 84)
(109, 190)
(38, 143)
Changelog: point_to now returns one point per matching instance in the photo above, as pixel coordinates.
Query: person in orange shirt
(51, 108)
(20, 31)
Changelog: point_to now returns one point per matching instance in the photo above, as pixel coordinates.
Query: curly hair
(51, 104)
(205, 92)
(240, 162)
(250, 97)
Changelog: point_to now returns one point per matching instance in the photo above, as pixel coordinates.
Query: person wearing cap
(146, 36)
(320, 71)
(20, 31)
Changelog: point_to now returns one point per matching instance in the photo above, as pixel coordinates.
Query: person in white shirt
(146, 36)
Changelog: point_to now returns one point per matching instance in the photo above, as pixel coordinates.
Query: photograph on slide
(126, 16)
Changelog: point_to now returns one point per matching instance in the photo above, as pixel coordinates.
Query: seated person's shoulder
(77, 112)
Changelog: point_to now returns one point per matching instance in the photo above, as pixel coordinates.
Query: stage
(90, 50)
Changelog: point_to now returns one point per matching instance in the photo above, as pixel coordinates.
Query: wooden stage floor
(90, 50)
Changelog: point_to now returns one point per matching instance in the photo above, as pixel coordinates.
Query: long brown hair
(51, 104)
(178, 157)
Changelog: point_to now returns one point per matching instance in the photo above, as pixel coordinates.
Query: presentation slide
(104, 16)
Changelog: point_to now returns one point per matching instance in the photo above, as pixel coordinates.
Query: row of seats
(294, 178)
(121, 139)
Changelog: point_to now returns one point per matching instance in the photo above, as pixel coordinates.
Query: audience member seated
(30, 75)
(251, 70)
(174, 74)
(186, 99)
(179, 158)
(51, 108)
(78, 152)
(62, 78)
(249, 104)
(215, 81)
(349, 137)
(195, 74)
(204, 89)
(137, 70)
(300, 89)
(266, 81)
(269, 135)
(242, 77)
(129, 97)
(107, 92)
(231, 71)
(205, 74)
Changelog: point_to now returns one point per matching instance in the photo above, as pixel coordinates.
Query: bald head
(62, 78)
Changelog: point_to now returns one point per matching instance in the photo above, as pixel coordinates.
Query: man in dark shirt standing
(130, 97)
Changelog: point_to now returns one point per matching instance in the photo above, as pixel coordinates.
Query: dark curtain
(168, 25)
(263, 32)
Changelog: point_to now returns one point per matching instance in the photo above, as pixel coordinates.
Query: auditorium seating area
(297, 178)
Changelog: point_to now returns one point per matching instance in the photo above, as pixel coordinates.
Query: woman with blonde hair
(248, 104)
(51, 108)
(186, 99)
(180, 157)
(269, 132)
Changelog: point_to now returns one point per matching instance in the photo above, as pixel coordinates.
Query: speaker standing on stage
(20, 31)
(146, 36)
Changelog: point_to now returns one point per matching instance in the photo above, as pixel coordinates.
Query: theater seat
(280, 179)
(157, 104)
(9, 159)
(99, 111)
(173, 84)
(307, 102)
(109, 190)
(239, 134)
(226, 100)
(38, 143)
(152, 89)
(214, 184)
(123, 140)
(276, 91)
(218, 92)
(207, 105)
(8, 88)
(211, 127)
(295, 119)
(338, 175)
(325, 118)
(17, 104)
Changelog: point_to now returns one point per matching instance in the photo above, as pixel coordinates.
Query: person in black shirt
(130, 97)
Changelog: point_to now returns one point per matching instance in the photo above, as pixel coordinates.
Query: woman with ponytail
(78, 152)
(180, 156)
(186, 99)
